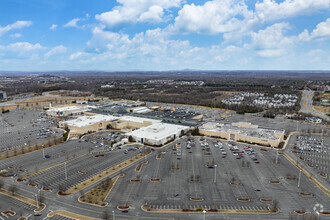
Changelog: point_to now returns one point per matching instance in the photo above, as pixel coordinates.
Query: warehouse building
(243, 132)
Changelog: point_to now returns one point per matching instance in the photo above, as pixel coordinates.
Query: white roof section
(89, 120)
(142, 109)
(138, 119)
(70, 108)
(158, 131)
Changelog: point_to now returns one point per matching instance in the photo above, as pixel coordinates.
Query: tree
(65, 135)
(195, 131)
(130, 139)
(109, 126)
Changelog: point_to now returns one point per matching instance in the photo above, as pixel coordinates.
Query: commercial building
(68, 110)
(157, 134)
(143, 130)
(132, 123)
(86, 124)
(3, 95)
(243, 132)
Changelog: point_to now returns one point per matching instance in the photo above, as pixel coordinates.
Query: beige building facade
(243, 132)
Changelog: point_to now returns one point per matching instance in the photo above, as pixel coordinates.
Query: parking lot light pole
(299, 178)
(145, 154)
(215, 174)
(37, 197)
(297, 126)
(204, 214)
(113, 215)
(276, 156)
(65, 172)
(43, 151)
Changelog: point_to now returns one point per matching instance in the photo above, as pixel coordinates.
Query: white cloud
(321, 31)
(137, 11)
(271, 52)
(56, 50)
(271, 10)
(21, 49)
(104, 40)
(217, 16)
(16, 35)
(53, 27)
(316, 52)
(72, 23)
(24, 46)
(16, 25)
(152, 49)
(77, 55)
(271, 41)
(154, 14)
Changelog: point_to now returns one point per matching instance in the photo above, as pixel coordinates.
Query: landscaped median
(147, 208)
(24, 199)
(313, 179)
(20, 150)
(139, 166)
(70, 215)
(97, 195)
(105, 174)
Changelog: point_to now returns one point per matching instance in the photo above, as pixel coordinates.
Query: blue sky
(126, 35)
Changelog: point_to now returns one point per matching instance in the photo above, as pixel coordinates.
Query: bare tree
(105, 215)
(12, 189)
(274, 206)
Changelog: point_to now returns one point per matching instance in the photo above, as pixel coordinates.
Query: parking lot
(79, 169)
(22, 128)
(105, 139)
(203, 177)
(313, 152)
(188, 174)
(207, 112)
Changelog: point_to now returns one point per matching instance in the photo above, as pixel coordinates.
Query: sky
(126, 35)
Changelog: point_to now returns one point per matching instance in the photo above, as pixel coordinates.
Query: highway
(306, 105)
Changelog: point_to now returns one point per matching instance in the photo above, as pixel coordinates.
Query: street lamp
(37, 198)
(276, 161)
(299, 178)
(113, 215)
(204, 214)
(65, 172)
(215, 174)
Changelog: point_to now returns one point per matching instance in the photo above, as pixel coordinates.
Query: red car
(256, 161)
